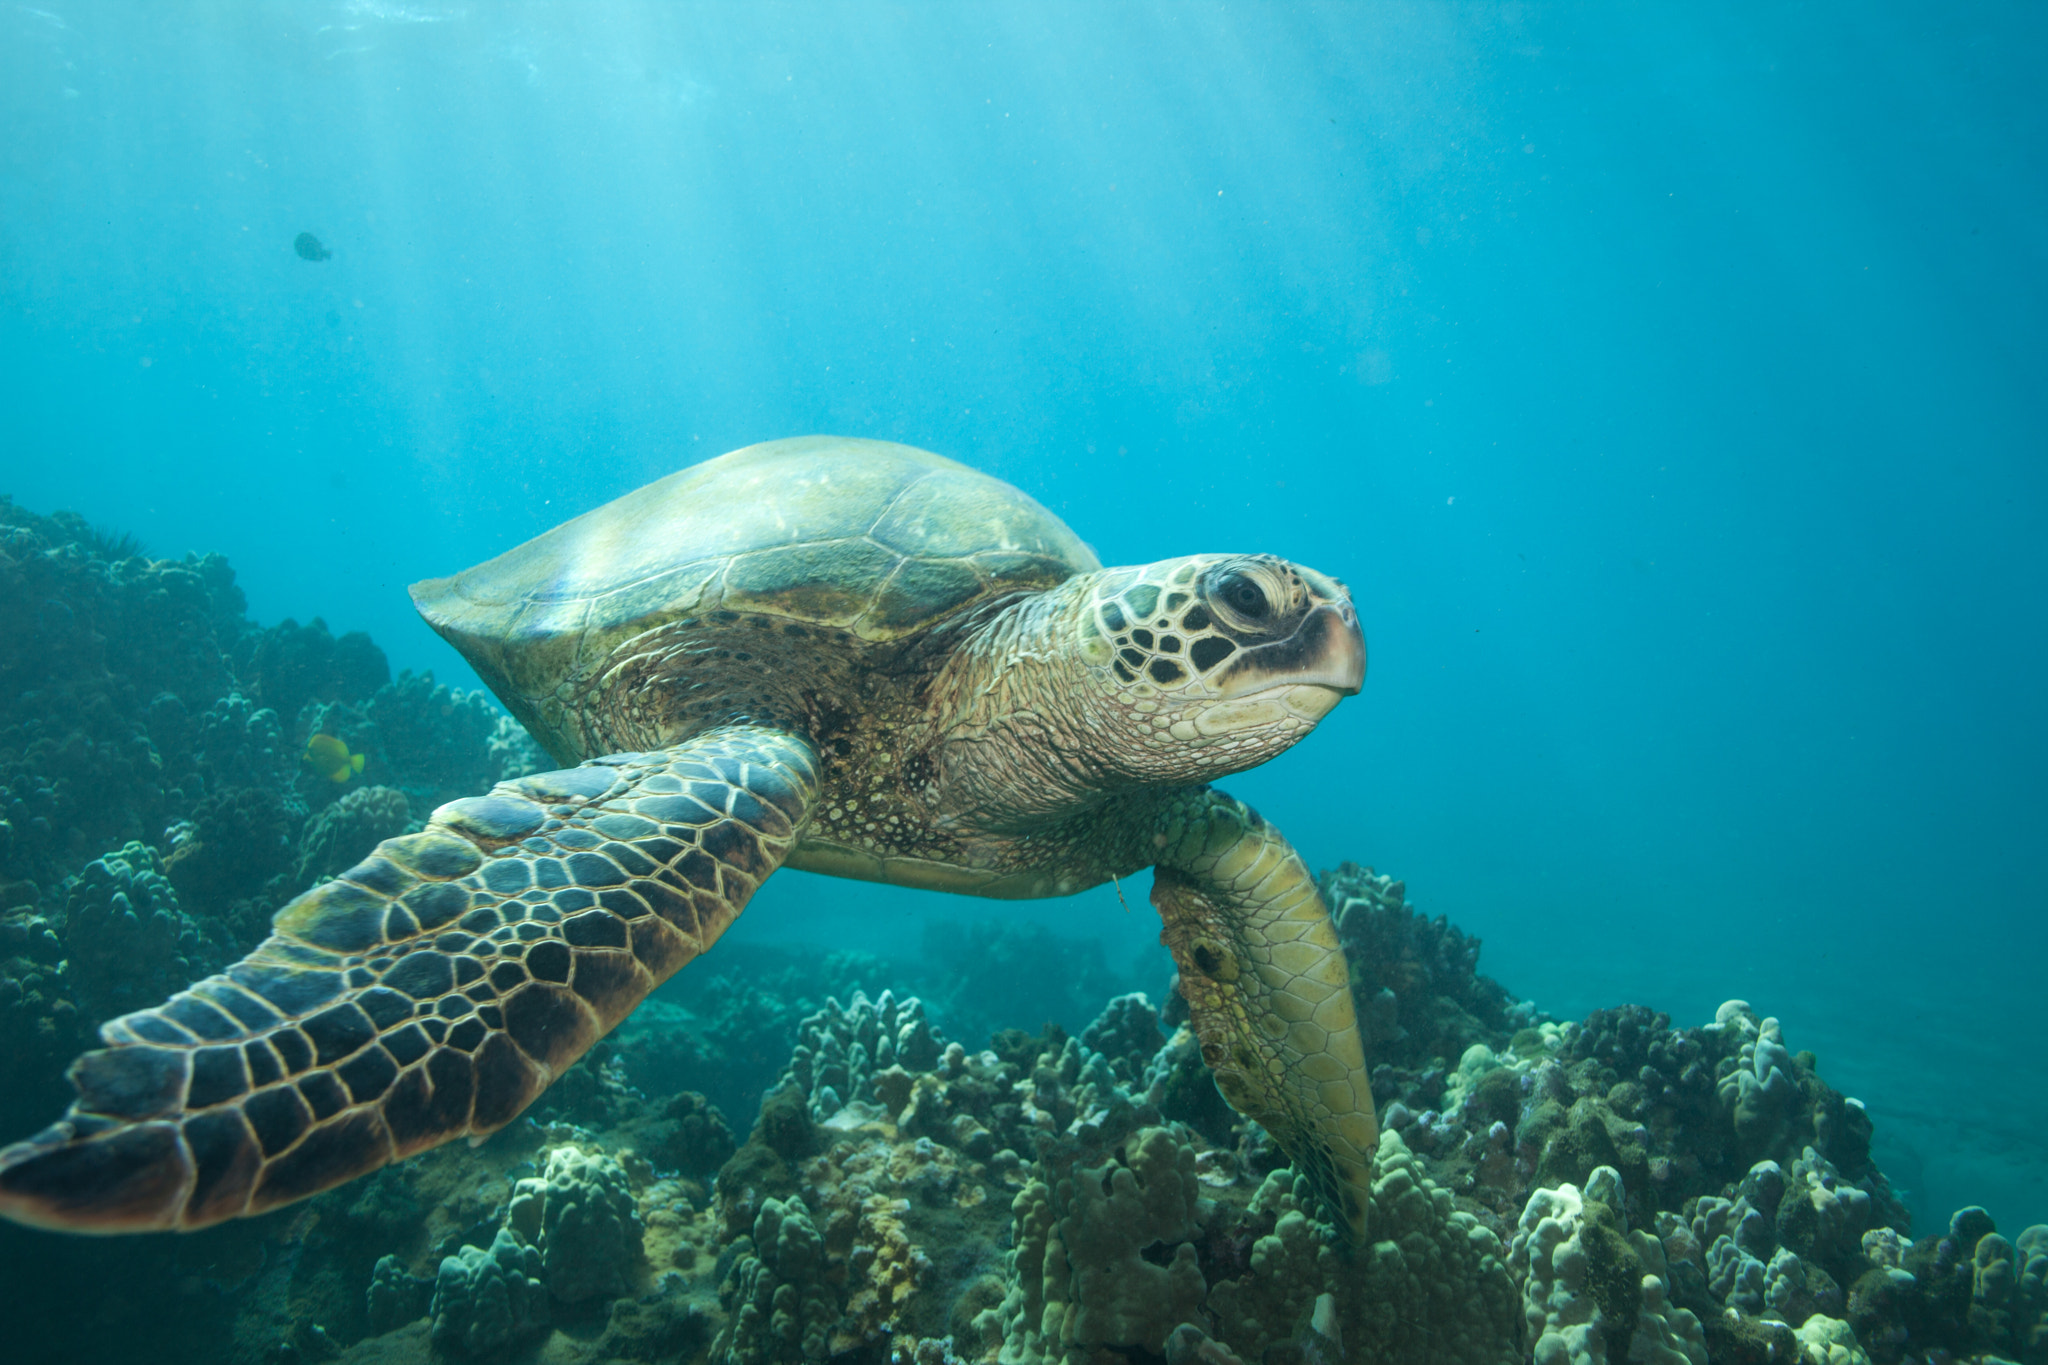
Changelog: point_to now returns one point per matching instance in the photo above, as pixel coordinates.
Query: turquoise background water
(1666, 382)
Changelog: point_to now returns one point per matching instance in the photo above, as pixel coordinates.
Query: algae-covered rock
(765, 1166)
(1971, 1293)
(691, 1136)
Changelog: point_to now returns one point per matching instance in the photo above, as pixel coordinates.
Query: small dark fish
(309, 248)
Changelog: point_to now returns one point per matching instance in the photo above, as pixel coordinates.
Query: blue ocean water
(1665, 382)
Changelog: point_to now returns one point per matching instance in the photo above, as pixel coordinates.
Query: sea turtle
(846, 656)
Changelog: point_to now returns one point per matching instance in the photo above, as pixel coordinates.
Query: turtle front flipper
(1268, 992)
(430, 992)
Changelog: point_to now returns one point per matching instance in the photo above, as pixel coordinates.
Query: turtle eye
(1243, 596)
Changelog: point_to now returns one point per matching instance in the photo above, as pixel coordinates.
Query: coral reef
(485, 1300)
(1127, 1035)
(1592, 1289)
(398, 1297)
(781, 1307)
(235, 842)
(1970, 1293)
(40, 1027)
(901, 1197)
(239, 744)
(446, 743)
(289, 666)
(88, 644)
(142, 712)
(923, 1181)
(580, 1213)
(340, 836)
(1437, 1285)
(1083, 1279)
(725, 1028)
(839, 1052)
(1416, 980)
(127, 943)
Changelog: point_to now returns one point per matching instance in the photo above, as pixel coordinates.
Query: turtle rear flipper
(430, 992)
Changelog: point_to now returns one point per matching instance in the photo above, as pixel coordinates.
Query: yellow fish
(331, 758)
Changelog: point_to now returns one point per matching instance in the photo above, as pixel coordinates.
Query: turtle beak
(1342, 665)
(1327, 651)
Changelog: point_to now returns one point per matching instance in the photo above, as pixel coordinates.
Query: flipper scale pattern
(429, 992)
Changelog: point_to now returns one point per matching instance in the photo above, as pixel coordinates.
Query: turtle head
(1206, 666)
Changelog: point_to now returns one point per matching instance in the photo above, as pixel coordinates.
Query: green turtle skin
(847, 656)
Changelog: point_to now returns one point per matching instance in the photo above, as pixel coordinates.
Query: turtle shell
(871, 538)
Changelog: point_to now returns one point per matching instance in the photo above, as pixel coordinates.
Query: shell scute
(842, 541)
(926, 588)
(829, 582)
